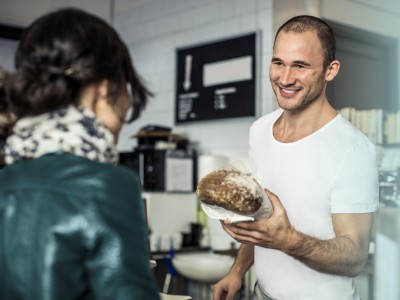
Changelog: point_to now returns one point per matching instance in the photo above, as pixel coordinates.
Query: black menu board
(216, 80)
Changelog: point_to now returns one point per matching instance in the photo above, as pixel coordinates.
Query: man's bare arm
(244, 259)
(345, 254)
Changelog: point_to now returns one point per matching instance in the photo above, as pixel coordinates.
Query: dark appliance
(163, 170)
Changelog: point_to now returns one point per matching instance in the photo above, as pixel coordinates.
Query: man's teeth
(288, 91)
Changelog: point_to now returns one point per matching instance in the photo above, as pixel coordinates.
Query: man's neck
(296, 125)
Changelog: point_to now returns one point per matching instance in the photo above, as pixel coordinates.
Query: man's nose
(287, 77)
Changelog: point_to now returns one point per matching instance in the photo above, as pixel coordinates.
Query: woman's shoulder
(64, 171)
(104, 174)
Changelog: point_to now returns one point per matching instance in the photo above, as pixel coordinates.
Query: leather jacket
(72, 228)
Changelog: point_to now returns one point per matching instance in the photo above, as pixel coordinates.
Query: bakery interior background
(156, 29)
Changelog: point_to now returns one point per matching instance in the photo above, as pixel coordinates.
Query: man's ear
(332, 70)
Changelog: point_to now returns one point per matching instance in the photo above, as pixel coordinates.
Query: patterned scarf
(69, 129)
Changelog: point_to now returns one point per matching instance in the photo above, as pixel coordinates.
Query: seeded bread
(233, 190)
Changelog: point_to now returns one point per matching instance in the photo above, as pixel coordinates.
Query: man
(321, 176)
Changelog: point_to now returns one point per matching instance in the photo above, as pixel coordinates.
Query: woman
(72, 225)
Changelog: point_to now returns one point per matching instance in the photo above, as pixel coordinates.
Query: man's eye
(299, 67)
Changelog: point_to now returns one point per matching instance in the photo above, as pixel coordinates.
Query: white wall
(22, 12)
(156, 28)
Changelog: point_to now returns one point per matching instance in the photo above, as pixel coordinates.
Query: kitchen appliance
(160, 170)
(163, 160)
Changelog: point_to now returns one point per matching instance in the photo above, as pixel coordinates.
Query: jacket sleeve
(118, 259)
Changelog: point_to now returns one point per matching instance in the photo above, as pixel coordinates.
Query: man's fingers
(276, 203)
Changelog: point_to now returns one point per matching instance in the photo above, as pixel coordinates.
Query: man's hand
(227, 288)
(275, 232)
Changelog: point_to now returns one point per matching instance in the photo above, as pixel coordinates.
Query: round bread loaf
(233, 190)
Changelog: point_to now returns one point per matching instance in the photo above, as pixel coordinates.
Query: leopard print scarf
(69, 129)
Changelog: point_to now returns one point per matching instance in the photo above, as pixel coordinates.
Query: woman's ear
(94, 93)
(101, 102)
(332, 70)
(102, 90)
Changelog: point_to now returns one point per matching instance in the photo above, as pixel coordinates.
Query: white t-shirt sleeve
(356, 187)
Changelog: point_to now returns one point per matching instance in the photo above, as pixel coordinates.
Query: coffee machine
(163, 161)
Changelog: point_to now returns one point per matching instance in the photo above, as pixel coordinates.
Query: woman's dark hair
(63, 52)
(324, 32)
(4, 75)
(6, 118)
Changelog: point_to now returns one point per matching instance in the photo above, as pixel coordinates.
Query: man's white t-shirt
(333, 170)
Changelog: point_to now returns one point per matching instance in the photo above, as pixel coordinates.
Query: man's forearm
(340, 256)
(244, 259)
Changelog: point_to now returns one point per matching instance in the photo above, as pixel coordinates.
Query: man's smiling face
(297, 74)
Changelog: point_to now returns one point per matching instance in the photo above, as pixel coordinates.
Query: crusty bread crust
(233, 190)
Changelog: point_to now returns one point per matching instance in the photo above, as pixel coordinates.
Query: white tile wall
(155, 29)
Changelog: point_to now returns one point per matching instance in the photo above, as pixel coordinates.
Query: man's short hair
(324, 32)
